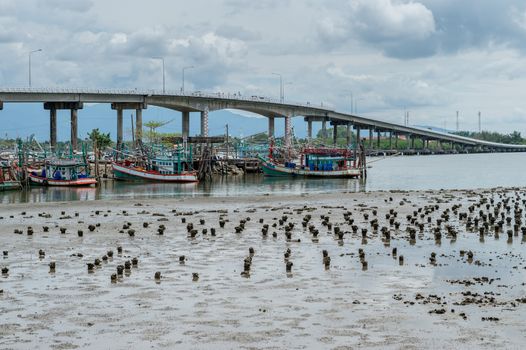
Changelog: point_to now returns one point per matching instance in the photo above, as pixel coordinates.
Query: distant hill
(22, 120)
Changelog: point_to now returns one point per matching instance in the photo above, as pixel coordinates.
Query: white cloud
(391, 20)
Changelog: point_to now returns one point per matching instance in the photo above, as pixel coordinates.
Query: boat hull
(10, 185)
(270, 169)
(42, 181)
(121, 172)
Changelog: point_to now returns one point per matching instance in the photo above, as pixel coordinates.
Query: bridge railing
(176, 93)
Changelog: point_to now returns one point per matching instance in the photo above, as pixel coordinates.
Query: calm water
(462, 171)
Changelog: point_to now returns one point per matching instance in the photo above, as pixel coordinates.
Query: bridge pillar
(288, 131)
(409, 140)
(324, 129)
(74, 129)
(412, 143)
(358, 137)
(348, 134)
(396, 141)
(378, 139)
(185, 125)
(309, 129)
(119, 129)
(53, 128)
(370, 138)
(120, 107)
(1, 105)
(270, 126)
(53, 107)
(335, 134)
(204, 123)
(138, 124)
(390, 140)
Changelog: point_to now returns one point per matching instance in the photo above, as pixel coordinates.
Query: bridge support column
(396, 141)
(271, 127)
(53, 107)
(370, 138)
(412, 143)
(335, 134)
(138, 125)
(204, 123)
(288, 131)
(53, 128)
(348, 134)
(390, 140)
(324, 129)
(358, 136)
(378, 139)
(74, 129)
(1, 105)
(120, 107)
(119, 129)
(185, 125)
(309, 129)
(409, 140)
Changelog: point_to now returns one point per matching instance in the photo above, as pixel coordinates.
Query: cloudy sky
(431, 57)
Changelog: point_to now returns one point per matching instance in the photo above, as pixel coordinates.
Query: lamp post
(30, 53)
(184, 69)
(164, 80)
(281, 97)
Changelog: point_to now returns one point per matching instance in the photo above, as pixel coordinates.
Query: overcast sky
(432, 57)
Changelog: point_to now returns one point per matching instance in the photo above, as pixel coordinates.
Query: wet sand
(470, 294)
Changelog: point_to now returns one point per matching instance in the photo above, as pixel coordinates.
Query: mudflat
(422, 269)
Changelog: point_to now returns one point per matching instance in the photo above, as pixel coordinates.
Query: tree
(100, 142)
(152, 135)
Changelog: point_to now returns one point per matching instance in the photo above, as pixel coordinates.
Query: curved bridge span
(73, 99)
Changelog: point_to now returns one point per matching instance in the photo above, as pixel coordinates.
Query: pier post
(138, 124)
(270, 127)
(53, 128)
(74, 129)
(288, 131)
(186, 125)
(119, 129)
(204, 122)
(335, 134)
(309, 129)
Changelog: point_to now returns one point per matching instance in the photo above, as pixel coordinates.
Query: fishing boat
(62, 172)
(168, 166)
(8, 177)
(317, 163)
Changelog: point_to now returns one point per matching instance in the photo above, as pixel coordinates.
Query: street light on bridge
(31, 53)
(184, 69)
(281, 97)
(164, 81)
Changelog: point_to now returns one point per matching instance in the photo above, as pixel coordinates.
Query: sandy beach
(411, 270)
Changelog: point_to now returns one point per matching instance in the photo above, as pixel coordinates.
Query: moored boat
(157, 166)
(62, 172)
(8, 177)
(317, 163)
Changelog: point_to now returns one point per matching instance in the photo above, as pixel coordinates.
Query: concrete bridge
(73, 100)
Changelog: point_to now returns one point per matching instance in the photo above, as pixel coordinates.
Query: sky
(380, 57)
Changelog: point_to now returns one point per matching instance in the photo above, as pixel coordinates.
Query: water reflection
(467, 171)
